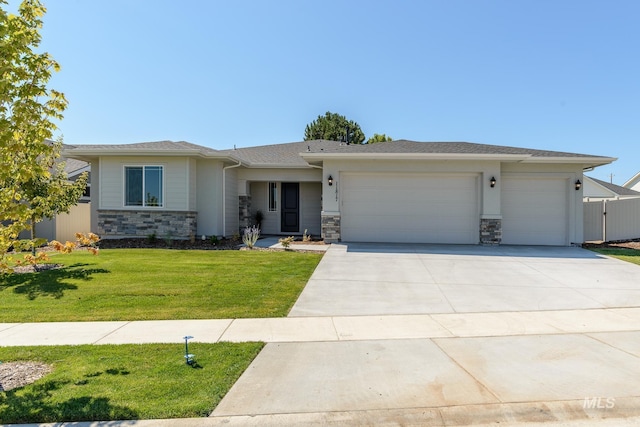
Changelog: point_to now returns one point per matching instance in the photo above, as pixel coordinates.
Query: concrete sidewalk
(622, 321)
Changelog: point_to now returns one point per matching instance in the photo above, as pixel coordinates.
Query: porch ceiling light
(330, 180)
(492, 181)
(578, 185)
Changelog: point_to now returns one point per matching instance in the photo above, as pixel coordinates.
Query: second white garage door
(414, 208)
(534, 210)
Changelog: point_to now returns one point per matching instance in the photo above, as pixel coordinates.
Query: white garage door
(534, 211)
(415, 208)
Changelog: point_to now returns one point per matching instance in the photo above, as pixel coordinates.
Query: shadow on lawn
(35, 406)
(49, 283)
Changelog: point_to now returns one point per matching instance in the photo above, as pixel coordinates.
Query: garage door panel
(410, 208)
(534, 211)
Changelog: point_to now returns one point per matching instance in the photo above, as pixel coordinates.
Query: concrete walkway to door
(454, 335)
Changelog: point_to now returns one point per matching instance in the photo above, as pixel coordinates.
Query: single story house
(398, 191)
(596, 189)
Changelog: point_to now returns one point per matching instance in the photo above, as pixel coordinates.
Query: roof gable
(635, 180)
(616, 189)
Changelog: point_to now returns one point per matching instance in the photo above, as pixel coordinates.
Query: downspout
(224, 196)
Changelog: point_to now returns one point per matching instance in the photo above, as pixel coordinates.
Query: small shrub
(152, 238)
(286, 241)
(250, 236)
(259, 217)
(214, 240)
(168, 238)
(306, 237)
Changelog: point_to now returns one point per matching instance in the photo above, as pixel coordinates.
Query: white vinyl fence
(610, 220)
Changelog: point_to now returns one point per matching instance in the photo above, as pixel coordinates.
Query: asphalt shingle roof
(404, 146)
(276, 154)
(288, 154)
(619, 190)
(152, 146)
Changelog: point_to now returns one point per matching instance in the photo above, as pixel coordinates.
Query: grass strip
(124, 382)
(629, 255)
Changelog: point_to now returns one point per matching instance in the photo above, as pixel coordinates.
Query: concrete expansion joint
(112, 332)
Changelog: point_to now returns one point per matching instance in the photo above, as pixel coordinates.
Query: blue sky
(549, 74)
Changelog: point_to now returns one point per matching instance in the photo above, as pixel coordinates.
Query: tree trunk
(33, 235)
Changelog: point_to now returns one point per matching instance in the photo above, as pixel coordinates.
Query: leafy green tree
(334, 127)
(379, 138)
(29, 190)
(49, 195)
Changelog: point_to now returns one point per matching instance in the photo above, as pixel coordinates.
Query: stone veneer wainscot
(490, 231)
(131, 223)
(331, 228)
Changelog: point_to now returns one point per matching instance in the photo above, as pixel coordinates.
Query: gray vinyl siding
(260, 200)
(209, 197)
(232, 222)
(310, 207)
(192, 171)
(175, 184)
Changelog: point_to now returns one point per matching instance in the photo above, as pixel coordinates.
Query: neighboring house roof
(74, 166)
(617, 190)
(300, 154)
(633, 181)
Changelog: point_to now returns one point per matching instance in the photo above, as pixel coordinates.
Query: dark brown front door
(290, 215)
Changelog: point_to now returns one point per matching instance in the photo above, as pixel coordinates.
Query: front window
(273, 197)
(143, 186)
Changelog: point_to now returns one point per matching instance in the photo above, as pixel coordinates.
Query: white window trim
(124, 186)
(269, 197)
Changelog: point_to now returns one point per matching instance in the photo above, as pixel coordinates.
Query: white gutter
(224, 196)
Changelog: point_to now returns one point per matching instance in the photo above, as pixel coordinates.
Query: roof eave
(587, 161)
(83, 154)
(254, 165)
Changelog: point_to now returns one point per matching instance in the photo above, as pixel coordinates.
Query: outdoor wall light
(492, 181)
(330, 180)
(578, 185)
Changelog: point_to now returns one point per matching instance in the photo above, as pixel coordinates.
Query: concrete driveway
(366, 279)
(514, 335)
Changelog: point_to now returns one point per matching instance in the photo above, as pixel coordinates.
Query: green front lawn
(123, 382)
(629, 255)
(146, 284)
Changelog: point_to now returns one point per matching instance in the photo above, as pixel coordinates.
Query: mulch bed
(623, 244)
(18, 374)
(222, 244)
